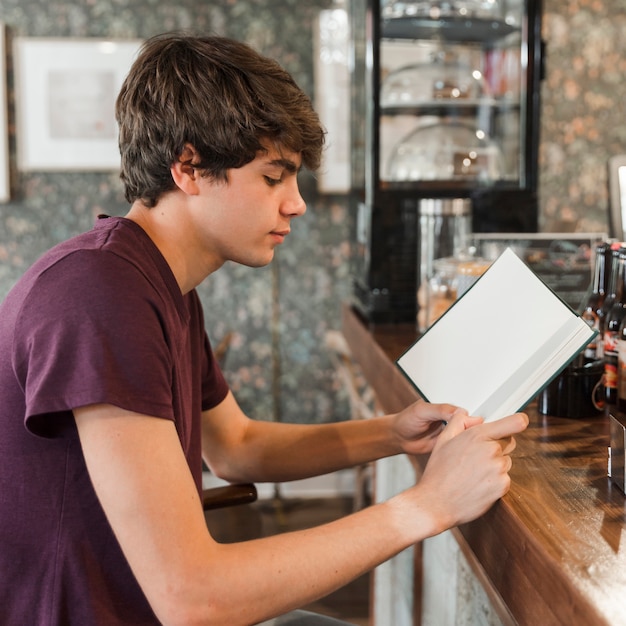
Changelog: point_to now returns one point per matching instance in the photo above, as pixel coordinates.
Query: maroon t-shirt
(98, 319)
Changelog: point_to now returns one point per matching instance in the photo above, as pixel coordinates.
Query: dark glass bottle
(612, 325)
(595, 301)
(609, 299)
(621, 367)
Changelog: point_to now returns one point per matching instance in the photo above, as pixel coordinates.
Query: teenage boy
(111, 395)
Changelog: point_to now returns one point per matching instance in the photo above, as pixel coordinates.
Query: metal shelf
(446, 108)
(449, 29)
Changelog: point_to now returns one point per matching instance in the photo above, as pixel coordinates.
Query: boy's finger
(455, 425)
(507, 426)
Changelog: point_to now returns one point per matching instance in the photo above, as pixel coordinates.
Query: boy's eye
(272, 181)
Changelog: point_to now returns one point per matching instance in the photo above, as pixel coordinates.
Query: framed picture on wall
(617, 195)
(65, 101)
(5, 182)
(331, 43)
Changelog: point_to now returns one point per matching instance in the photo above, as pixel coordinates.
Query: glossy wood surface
(552, 547)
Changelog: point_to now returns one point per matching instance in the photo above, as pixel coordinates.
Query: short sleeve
(94, 330)
(213, 384)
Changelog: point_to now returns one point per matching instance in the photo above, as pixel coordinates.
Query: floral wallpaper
(583, 118)
(277, 362)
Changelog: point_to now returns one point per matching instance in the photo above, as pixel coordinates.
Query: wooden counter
(551, 548)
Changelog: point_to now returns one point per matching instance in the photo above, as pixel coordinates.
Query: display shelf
(447, 108)
(443, 106)
(449, 29)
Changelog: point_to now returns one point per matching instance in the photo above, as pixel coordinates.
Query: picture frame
(65, 101)
(331, 69)
(617, 195)
(5, 178)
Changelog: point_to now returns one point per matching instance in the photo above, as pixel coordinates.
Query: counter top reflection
(553, 549)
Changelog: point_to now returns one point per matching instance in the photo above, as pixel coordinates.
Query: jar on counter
(438, 292)
(450, 278)
(468, 272)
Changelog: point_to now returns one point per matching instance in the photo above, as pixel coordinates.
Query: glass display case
(445, 108)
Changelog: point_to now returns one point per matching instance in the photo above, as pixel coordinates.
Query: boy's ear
(184, 173)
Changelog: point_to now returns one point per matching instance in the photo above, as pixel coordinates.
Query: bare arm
(145, 487)
(237, 448)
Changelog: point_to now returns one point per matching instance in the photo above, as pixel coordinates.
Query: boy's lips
(279, 235)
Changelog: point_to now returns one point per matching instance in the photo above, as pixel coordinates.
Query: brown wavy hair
(215, 93)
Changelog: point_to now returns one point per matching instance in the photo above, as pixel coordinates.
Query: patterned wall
(292, 379)
(583, 111)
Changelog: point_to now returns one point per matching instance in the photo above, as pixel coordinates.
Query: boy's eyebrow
(288, 164)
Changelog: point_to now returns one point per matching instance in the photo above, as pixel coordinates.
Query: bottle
(595, 301)
(612, 325)
(621, 367)
(609, 299)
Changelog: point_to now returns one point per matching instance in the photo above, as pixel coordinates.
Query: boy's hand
(417, 427)
(468, 469)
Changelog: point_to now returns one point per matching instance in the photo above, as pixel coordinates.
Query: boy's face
(245, 218)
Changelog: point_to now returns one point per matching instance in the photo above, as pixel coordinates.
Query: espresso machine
(444, 134)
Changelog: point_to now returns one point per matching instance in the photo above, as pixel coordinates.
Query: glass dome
(445, 78)
(447, 150)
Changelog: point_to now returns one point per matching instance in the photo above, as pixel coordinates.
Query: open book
(497, 346)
